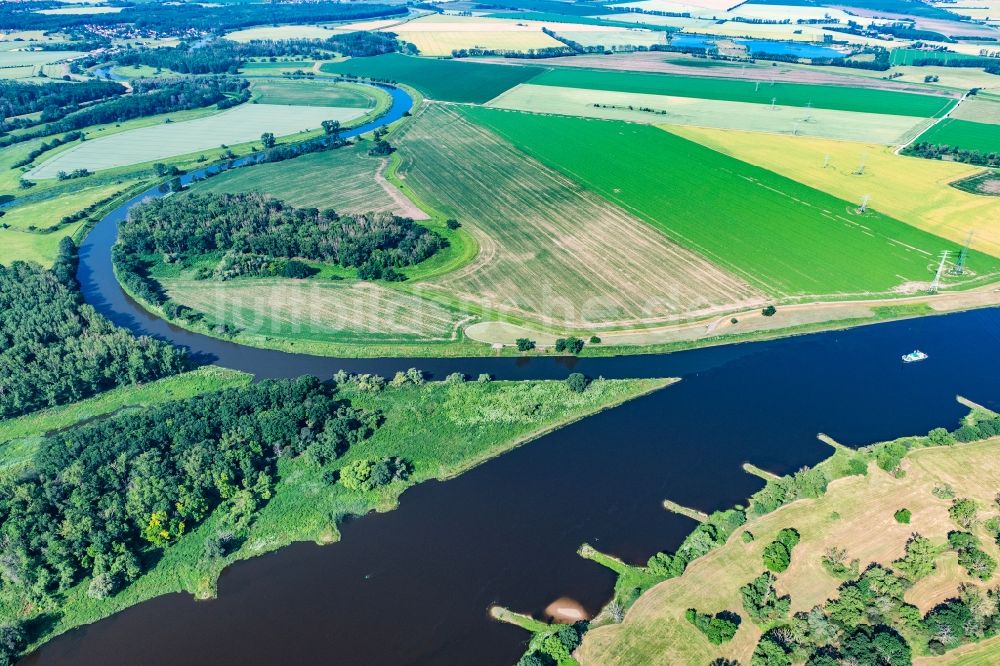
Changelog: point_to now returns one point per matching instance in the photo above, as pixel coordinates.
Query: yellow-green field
(855, 514)
(913, 190)
(550, 250)
(279, 32)
(439, 35)
(669, 110)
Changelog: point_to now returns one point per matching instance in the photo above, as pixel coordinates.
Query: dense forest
(54, 100)
(179, 228)
(102, 496)
(223, 56)
(55, 349)
(149, 97)
(183, 19)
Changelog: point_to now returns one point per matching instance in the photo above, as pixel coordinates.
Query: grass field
(841, 98)
(275, 68)
(447, 80)
(911, 56)
(346, 179)
(815, 243)
(19, 437)
(984, 137)
(827, 123)
(910, 189)
(614, 38)
(34, 58)
(855, 514)
(443, 429)
(317, 310)
(550, 250)
(304, 92)
(241, 124)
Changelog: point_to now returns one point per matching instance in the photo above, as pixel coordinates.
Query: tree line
(54, 100)
(183, 19)
(55, 349)
(933, 151)
(149, 97)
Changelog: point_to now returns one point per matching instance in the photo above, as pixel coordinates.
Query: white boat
(914, 356)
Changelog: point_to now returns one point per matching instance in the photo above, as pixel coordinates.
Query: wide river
(413, 586)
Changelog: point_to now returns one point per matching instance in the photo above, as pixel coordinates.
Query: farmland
(316, 93)
(550, 250)
(446, 80)
(346, 179)
(913, 190)
(281, 32)
(439, 35)
(984, 137)
(241, 124)
(761, 92)
(816, 243)
(663, 109)
(315, 311)
(979, 110)
(855, 514)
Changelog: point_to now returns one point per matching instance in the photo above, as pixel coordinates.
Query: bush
(297, 269)
(594, 340)
(788, 536)
(776, 557)
(572, 345)
(890, 455)
(524, 344)
(452, 223)
(769, 311)
(918, 561)
(761, 600)
(747, 536)
(963, 512)
(577, 382)
(719, 628)
(902, 516)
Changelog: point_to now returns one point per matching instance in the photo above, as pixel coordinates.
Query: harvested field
(663, 109)
(447, 80)
(303, 92)
(816, 244)
(279, 32)
(438, 35)
(550, 250)
(709, 6)
(761, 91)
(978, 110)
(614, 38)
(346, 179)
(855, 514)
(239, 125)
(910, 189)
(331, 311)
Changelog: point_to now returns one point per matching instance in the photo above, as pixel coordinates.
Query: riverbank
(440, 428)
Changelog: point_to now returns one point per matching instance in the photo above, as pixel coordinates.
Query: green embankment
(983, 137)
(19, 437)
(842, 98)
(442, 428)
(445, 80)
(785, 237)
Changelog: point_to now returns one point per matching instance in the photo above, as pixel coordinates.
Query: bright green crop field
(785, 237)
(445, 80)
(307, 92)
(736, 90)
(983, 137)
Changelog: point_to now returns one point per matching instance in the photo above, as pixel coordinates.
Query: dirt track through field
(552, 251)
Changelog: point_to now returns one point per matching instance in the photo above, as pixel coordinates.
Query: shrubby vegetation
(778, 554)
(718, 628)
(953, 153)
(55, 349)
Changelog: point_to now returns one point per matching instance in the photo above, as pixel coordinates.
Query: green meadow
(741, 90)
(308, 92)
(445, 80)
(785, 237)
(983, 137)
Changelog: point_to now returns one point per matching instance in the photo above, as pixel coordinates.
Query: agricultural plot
(983, 137)
(439, 35)
(239, 125)
(978, 110)
(551, 251)
(614, 38)
(446, 80)
(912, 56)
(303, 92)
(662, 109)
(693, 7)
(275, 68)
(346, 179)
(910, 189)
(784, 237)
(840, 98)
(43, 214)
(82, 9)
(279, 32)
(34, 58)
(322, 311)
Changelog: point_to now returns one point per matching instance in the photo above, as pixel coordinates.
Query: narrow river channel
(413, 586)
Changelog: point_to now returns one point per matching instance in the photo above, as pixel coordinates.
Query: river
(413, 586)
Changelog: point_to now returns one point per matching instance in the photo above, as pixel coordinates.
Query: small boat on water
(914, 356)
